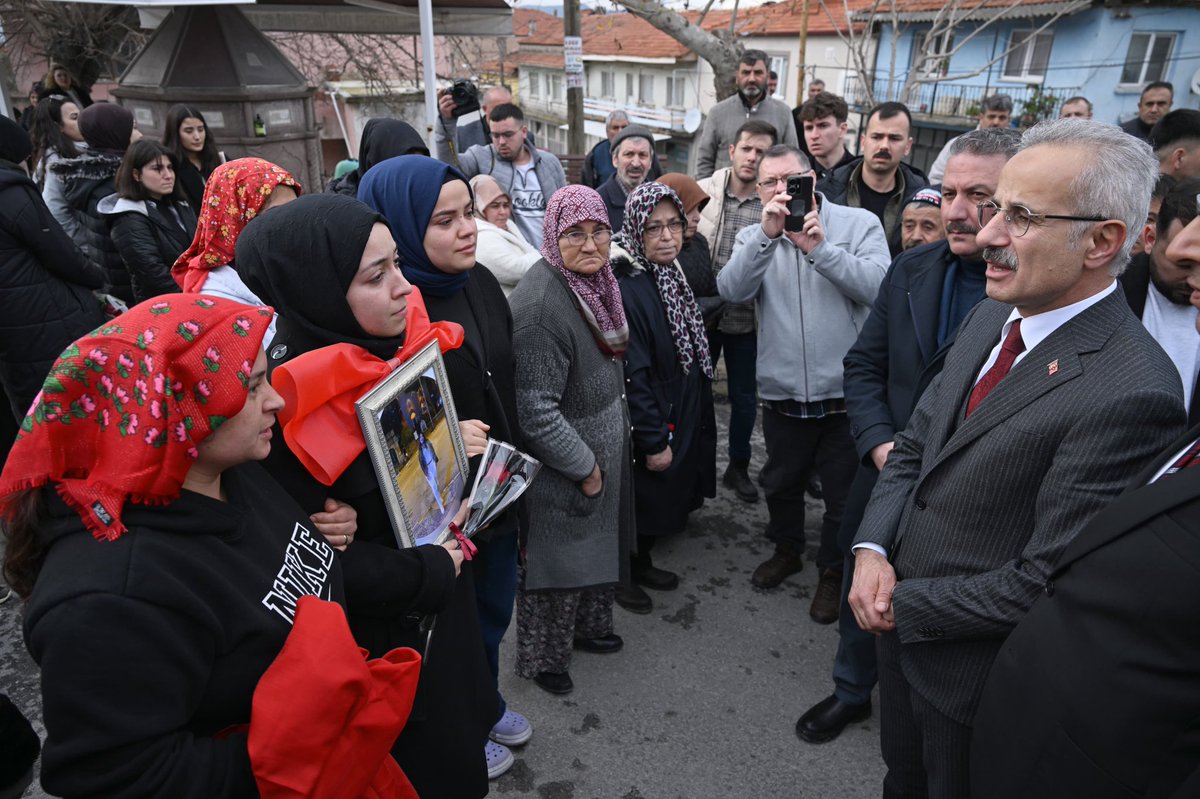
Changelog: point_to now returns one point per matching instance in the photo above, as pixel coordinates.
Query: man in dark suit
(1158, 294)
(922, 300)
(1052, 395)
(1097, 691)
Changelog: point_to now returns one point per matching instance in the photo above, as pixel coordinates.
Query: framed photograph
(420, 460)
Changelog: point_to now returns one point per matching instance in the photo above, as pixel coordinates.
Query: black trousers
(795, 449)
(926, 752)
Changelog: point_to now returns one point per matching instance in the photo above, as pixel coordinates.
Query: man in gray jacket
(750, 102)
(529, 176)
(812, 289)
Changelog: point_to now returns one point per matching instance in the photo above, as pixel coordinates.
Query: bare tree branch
(719, 49)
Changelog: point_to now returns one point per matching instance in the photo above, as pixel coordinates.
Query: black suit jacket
(1097, 691)
(1135, 281)
(896, 354)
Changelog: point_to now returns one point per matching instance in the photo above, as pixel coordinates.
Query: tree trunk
(718, 49)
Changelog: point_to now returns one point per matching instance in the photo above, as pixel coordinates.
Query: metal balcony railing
(954, 101)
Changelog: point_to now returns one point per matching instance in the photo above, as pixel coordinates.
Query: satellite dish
(693, 118)
(1196, 82)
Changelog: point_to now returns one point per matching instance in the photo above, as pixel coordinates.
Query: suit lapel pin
(1052, 367)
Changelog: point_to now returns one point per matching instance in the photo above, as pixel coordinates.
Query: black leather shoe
(554, 682)
(656, 578)
(825, 720)
(827, 599)
(738, 479)
(773, 570)
(604, 645)
(633, 599)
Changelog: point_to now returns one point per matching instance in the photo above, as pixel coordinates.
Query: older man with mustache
(1095, 692)
(1051, 397)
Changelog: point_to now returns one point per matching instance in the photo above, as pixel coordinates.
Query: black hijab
(301, 258)
(106, 127)
(15, 144)
(381, 139)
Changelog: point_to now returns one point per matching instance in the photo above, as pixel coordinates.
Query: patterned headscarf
(598, 295)
(235, 193)
(124, 408)
(683, 315)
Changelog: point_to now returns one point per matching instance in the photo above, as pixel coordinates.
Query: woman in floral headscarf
(570, 334)
(156, 558)
(236, 192)
(668, 374)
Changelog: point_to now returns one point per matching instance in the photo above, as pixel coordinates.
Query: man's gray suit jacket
(975, 512)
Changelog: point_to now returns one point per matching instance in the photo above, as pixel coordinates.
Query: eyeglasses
(1018, 218)
(577, 238)
(770, 183)
(674, 226)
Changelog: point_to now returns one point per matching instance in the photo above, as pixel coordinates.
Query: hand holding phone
(800, 188)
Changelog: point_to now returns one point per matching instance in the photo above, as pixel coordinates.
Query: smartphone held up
(800, 188)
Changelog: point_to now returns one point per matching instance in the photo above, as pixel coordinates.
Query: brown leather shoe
(827, 599)
(774, 569)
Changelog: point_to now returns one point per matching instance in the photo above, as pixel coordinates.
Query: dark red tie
(1009, 350)
(1187, 460)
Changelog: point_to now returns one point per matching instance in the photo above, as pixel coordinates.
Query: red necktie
(1187, 460)
(1009, 350)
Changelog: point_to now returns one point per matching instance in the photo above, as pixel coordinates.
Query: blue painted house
(1040, 53)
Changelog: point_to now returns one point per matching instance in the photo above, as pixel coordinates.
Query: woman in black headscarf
(431, 212)
(87, 179)
(46, 300)
(381, 139)
(329, 266)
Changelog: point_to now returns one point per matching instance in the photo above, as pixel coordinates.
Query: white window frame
(645, 80)
(677, 84)
(535, 84)
(608, 84)
(1143, 78)
(1024, 53)
(918, 46)
(778, 64)
(555, 89)
(630, 88)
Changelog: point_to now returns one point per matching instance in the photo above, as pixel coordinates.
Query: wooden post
(576, 142)
(800, 92)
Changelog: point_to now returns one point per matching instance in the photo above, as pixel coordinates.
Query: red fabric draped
(324, 719)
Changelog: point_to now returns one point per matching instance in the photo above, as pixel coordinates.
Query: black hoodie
(153, 644)
(381, 139)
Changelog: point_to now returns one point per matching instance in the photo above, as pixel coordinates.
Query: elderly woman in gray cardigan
(569, 332)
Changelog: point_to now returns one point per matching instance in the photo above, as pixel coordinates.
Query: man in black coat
(45, 283)
(1095, 693)
(926, 293)
(1158, 294)
(879, 181)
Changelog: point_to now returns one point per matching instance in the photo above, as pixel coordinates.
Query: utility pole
(573, 62)
(800, 96)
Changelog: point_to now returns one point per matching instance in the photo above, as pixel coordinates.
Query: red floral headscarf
(123, 408)
(234, 195)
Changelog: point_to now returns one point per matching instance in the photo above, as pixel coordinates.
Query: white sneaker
(499, 759)
(512, 729)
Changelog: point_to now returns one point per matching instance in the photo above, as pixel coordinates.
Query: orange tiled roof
(616, 34)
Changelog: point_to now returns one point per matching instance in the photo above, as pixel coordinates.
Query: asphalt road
(700, 704)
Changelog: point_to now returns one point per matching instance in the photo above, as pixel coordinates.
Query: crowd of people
(985, 372)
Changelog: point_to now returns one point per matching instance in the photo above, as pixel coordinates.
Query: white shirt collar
(1035, 328)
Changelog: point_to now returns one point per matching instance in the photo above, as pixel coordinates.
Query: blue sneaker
(512, 729)
(499, 759)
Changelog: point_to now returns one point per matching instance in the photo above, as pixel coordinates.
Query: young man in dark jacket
(879, 181)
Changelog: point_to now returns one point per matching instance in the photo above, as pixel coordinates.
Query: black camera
(466, 97)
